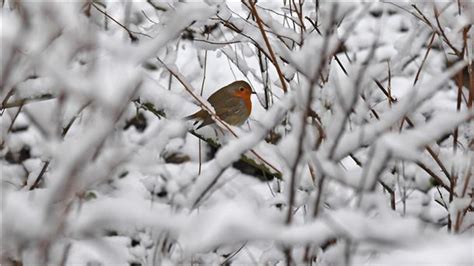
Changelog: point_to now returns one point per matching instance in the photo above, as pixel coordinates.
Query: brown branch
(5, 100)
(40, 175)
(269, 47)
(23, 101)
(460, 215)
(446, 40)
(155, 6)
(130, 33)
(424, 58)
(14, 119)
(433, 175)
(424, 18)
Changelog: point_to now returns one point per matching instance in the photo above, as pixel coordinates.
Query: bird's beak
(253, 92)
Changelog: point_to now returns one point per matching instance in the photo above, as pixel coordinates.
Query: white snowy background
(359, 145)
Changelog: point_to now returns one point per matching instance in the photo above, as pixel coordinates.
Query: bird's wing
(234, 113)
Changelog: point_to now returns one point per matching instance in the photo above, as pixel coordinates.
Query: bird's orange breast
(245, 96)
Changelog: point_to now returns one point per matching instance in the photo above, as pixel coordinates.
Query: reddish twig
(269, 47)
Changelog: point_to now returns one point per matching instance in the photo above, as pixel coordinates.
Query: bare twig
(130, 33)
(269, 47)
(39, 178)
(24, 101)
(14, 119)
(302, 130)
(424, 58)
(202, 90)
(441, 30)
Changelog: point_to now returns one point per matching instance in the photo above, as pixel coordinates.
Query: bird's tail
(200, 116)
(191, 117)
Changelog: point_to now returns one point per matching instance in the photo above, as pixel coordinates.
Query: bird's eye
(241, 89)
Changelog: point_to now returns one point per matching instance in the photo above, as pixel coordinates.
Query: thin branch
(269, 47)
(23, 101)
(14, 119)
(441, 30)
(130, 33)
(229, 258)
(424, 58)
(302, 130)
(39, 178)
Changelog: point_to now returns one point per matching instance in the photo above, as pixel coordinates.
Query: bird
(231, 103)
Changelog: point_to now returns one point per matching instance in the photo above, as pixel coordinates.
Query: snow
(127, 182)
(444, 251)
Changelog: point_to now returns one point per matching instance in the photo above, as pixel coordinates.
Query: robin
(232, 104)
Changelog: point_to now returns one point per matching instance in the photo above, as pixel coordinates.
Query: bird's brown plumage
(232, 104)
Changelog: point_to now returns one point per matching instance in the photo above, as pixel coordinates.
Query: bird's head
(241, 89)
